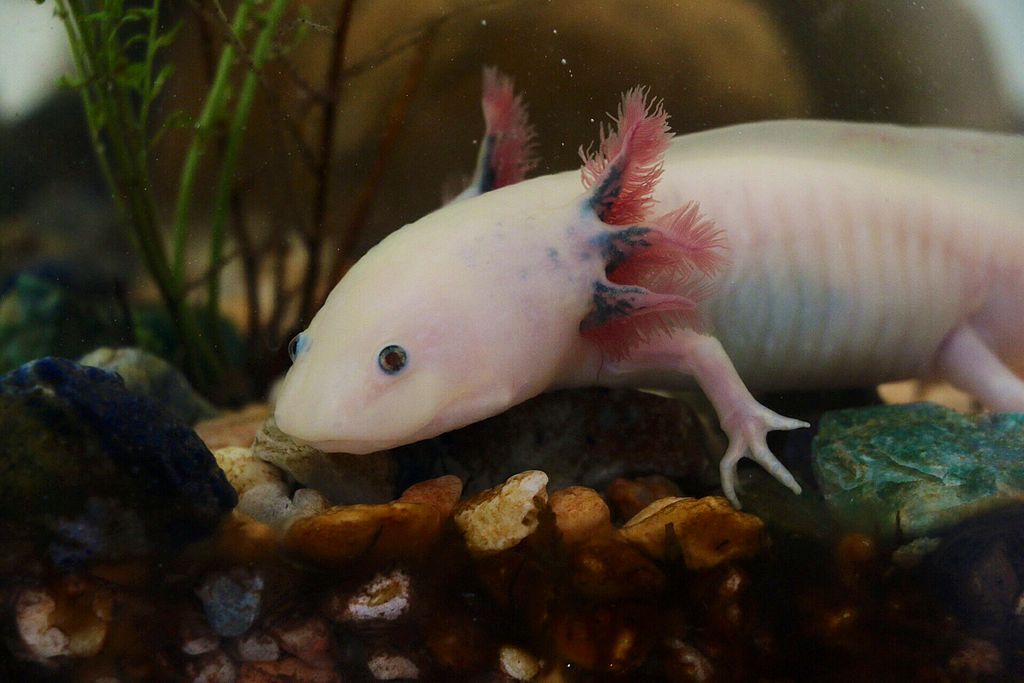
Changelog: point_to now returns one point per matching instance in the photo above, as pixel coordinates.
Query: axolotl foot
(747, 434)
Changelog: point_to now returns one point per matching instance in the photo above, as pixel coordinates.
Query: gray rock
(152, 376)
(344, 479)
(585, 437)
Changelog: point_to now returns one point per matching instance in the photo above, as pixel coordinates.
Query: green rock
(905, 471)
(42, 317)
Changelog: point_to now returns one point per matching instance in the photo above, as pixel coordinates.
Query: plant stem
(315, 241)
(119, 141)
(213, 109)
(222, 199)
(392, 129)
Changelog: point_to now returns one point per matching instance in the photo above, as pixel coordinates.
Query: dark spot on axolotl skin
(604, 196)
(618, 245)
(610, 303)
(488, 178)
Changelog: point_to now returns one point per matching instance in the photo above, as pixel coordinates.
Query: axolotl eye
(392, 358)
(297, 345)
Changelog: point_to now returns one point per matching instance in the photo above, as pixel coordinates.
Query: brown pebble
(977, 659)
(580, 514)
(458, 643)
(406, 528)
(630, 496)
(706, 531)
(615, 639)
(288, 670)
(309, 639)
(855, 556)
(611, 568)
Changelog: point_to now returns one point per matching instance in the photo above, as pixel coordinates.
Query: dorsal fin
(508, 150)
(623, 171)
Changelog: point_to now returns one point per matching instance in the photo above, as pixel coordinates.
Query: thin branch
(315, 238)
(236, 132)
(250, 269)
(213, 109)
(392, 130)
(401, 42)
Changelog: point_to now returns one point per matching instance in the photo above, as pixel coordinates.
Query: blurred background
(365, 113)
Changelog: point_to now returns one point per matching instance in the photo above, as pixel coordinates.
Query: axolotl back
(783, 255)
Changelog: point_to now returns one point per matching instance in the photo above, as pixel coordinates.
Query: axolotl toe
(767, 256)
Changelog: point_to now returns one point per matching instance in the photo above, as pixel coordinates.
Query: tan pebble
(262, 491)
(34, 610)
(212, 667)
(258, 647)
(343, 478)
(73, 619)
(387, 666)
(244, 470)
(707, 531)
(233, 429)
(684, 662)
(500, 518)
(308, 639)
(200, 645)
(580, 514)
(386, 598)
(517, 663)
(289, 669)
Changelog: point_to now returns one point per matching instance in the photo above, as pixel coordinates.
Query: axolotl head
(421, 336)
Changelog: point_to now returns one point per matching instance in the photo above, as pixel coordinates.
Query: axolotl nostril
(779, 255)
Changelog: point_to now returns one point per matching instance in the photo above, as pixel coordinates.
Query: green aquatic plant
(124, 53)
(120, 75)
(117, 49)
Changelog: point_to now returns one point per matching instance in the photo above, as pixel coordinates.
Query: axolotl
(784, 255)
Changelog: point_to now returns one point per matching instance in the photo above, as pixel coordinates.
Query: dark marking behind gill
(610, 303)
(605, 194)
(617, 246)
(487, 175)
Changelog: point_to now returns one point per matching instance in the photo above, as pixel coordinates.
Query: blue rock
(905, 471)
(231, 601)
(91, 471)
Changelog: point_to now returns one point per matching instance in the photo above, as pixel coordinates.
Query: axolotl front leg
(745, 421)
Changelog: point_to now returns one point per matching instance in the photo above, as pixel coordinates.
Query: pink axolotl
(779, 255)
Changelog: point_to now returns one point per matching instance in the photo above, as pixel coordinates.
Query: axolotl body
(767, 256)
